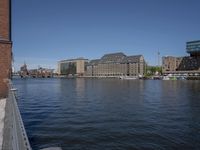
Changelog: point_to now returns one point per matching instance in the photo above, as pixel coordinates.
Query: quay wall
(14, 135)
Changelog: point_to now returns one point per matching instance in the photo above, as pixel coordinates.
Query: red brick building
(5, 45)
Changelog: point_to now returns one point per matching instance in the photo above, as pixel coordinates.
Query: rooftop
(134, 58)
(73, 60)
(193, 47)
(116, 58)
(113, 57)
(94, 61)
(192, 42)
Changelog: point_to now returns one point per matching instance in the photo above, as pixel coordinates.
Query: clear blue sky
(46, 31)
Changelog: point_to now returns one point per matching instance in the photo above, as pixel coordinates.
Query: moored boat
(128, 77)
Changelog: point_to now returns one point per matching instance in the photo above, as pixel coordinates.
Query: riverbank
(118, 77)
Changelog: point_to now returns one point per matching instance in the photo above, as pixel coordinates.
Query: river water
(110, 114)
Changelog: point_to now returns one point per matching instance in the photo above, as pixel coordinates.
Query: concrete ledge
(5, 41)
(52, 148)
(2, 116)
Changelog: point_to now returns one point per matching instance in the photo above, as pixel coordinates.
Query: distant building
(184, 65)
(41, 73)
(35, 73)
(23, 71)
(116, 64)
(72, 67)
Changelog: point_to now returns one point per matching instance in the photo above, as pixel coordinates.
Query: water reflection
(80, 87)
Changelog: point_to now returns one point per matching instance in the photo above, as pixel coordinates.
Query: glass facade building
(67, 68)
(72, 66)
(193, 48)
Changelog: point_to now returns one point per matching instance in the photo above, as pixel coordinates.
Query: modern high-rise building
(193, 48)
(72, 66)
(5, 46)
(116, 64)
(187, 64)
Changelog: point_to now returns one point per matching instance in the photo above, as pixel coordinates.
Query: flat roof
(68, 60)
(196, 41)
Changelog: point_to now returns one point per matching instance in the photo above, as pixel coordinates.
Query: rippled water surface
(110, 114)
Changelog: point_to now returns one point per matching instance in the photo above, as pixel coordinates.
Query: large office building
(184, 65)
(74, 67)
(193, 48)
(116, 64)
(5, 46)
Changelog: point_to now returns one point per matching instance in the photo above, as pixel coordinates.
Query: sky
(46, 31)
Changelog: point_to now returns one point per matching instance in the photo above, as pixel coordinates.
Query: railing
(15, 137)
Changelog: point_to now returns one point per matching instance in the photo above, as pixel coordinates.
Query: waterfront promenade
(12, 132)
(2, 115)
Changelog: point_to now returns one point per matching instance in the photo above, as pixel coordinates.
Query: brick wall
(5, 66)
(5, 46)
(4, 19)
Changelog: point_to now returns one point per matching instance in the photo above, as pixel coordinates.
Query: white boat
(128, 77)
(169, 78)
(166, 78)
